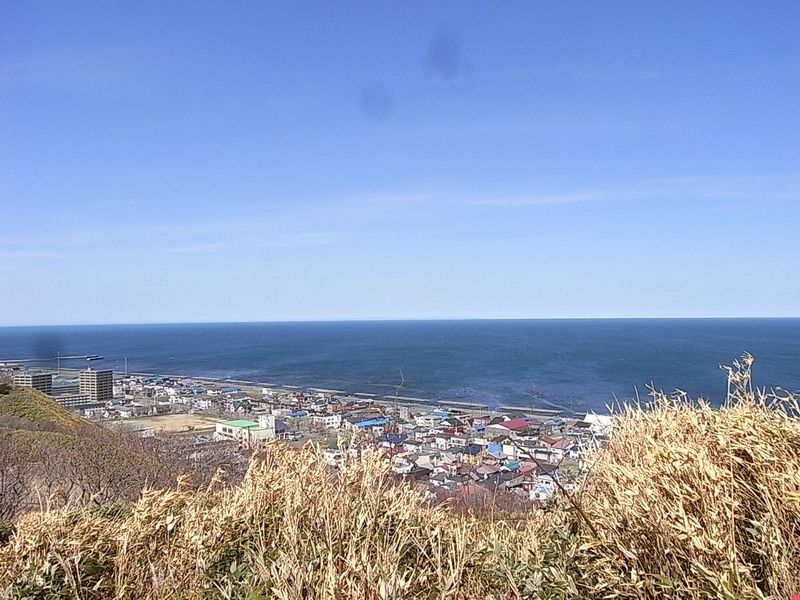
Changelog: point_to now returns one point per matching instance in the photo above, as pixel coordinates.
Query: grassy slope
(66, 460)
(687, 502)
(33, 406)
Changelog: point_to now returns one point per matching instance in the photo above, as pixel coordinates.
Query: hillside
(686, 502)
(50, 457)
(35, 407)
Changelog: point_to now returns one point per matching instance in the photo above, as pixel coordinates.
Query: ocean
(572, 365)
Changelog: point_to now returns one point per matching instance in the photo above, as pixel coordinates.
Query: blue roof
(230, 388)
(395, 438)
(371, 423)
(471, 449)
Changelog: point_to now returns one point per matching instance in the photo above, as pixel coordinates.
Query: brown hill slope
(50, 457)
(35, 407)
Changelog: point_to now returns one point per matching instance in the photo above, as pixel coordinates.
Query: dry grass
(686, 502)
(33, 406)
(290, 530)
(697, 502)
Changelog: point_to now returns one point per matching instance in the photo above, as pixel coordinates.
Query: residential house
(201, 403)
(429, 420)
(410, 445)
(506, 427)
(459, 441)
(392, 440)
(328, 421)
(560, 447)
(333, 457)
(599, 424)
(442, 440)
(374, 426)
(251, 434)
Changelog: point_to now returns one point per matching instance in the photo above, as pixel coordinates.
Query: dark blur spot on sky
(443, 58)
(46, 345)
(376, 100)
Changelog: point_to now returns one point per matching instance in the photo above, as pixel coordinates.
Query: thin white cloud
(536, 200)
(529, 126)
(650, 73)
(249, 244)
(592, 73)
(675, 188)
(209, 237)
(334, 221)
(72, 68)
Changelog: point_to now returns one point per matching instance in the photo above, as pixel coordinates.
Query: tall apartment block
(38, 381)
(98, 385)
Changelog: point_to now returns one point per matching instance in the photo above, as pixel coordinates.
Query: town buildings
(452, 449)
(251, 434)
(38, 381)
(76, 401)
(67, 394)
(98, 385)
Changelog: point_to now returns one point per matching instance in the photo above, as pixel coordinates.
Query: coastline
(386, 400)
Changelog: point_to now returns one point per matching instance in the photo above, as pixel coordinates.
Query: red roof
(488, 469)
(514, 424)
(560, 443)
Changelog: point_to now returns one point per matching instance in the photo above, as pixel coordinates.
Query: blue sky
(263, 161)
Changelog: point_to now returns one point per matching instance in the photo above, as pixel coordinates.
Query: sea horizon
(402, 319)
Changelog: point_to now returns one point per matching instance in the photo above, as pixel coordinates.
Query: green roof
(243, 423)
